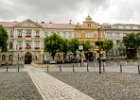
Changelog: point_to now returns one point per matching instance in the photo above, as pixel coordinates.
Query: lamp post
(0, 53)
(99, 60)
(17, 56)
(81, 48)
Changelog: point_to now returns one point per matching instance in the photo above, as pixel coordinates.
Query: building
(116, 32)
(90, 31)
(26, 40)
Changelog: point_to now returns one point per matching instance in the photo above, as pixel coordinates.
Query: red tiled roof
(8, 24)
(45, 25)
(58, 26)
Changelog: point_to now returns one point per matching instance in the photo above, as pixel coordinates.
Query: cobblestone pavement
(52, 89)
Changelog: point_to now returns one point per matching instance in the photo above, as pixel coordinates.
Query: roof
(8, 24)
(45, 25)
(58, 26)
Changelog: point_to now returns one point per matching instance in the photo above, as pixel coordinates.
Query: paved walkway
(52, 89)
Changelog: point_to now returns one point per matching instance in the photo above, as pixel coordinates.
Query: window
(28, 44)
(19, 44)
(37, 33)
(10, 45)
(78, 35)
(3, 57)
(124, 34)
(118, 41)
(11, 33)
(28, 32)
(89, 35)
(37, 44)
(10, 58)
(19, 32)
(89, 25)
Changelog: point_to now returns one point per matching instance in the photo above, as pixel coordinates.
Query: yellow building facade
(90, 31)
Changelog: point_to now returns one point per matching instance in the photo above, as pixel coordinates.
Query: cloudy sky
(102, 11)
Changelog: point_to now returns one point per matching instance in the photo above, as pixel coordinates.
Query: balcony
(20, 48)
(28, 47)
(37, 48)
(37, 36)
(28, 36)
(19, 36)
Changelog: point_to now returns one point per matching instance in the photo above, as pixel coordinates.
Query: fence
(9, 68)
(94, 67)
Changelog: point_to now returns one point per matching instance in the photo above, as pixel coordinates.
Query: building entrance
(28, 58)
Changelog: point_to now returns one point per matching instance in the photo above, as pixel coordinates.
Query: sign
(80, 47)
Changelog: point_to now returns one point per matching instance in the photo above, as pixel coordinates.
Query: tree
(53, 44)
(65, 47)
(122, 49)
(107, 45)
(86, 48)
(73, 46)
(3, 39)
(132, 43)
(86, 45)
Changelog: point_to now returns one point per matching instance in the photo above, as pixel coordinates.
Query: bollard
(138, 69)
(60, 68)
(120, 68)
(103, 67)
(18, 68)
(6, 68)
(47, 68)
(87, 68)
(73, 68)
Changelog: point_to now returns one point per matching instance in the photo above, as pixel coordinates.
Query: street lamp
(81, 48)
(99, 60)
(17, 55)
(0, 53)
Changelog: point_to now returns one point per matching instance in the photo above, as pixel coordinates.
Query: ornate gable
(88, 23)
(28, 24)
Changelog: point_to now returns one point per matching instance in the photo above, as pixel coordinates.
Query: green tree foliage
(132, 43)
(107, 45)
(73, 46)
(65, 47)
(53, 44)
(86, 45)
(122, 49)
(3, 39)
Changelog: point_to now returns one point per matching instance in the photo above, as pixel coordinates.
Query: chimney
(50, 22)
(42, 22)
(70, 21)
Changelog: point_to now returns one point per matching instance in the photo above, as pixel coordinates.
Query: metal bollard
(87, 68)
(120, 68)
(138, 69)
(18, 68)
(6, 68)
(60, 68)
(103, 67)
(47, 68)
(73, 68)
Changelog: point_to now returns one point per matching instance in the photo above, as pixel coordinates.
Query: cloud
(109, 11)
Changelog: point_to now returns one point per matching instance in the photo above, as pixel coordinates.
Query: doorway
(28, 58)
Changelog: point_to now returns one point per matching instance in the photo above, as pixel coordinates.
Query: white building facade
(26, 40)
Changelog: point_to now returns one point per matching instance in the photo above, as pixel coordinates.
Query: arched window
(10, 58)
(3, 57)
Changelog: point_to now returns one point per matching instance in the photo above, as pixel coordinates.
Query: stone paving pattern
(107, 86)
(53, 89)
